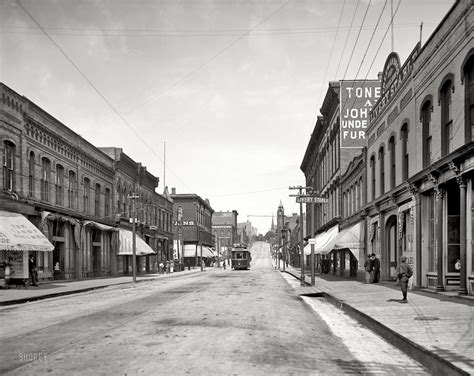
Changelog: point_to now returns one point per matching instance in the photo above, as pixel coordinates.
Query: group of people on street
(403, 273)
(372, 268)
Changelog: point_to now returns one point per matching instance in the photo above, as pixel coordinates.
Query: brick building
(420, 159)
(192, 229)
(153, 212)
(67, 188)
(328, 157)
(224, 229)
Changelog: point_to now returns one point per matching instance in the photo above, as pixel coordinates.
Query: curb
(71, 292)
(430, 360)
(64, 293)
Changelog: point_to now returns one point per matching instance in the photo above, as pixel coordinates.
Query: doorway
(391, 246)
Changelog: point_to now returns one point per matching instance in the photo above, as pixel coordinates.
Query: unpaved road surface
(218, 322)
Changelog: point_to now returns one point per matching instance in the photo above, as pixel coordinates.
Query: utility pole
(300, 193)
(134, 239)
(283, 232)
(200, 245)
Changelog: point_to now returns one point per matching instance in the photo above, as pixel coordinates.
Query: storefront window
(472, 224)
(432, 259)
(454, 224)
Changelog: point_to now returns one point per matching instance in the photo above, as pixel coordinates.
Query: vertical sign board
(356, 100)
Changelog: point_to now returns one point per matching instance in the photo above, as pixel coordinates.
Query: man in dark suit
(32, 271)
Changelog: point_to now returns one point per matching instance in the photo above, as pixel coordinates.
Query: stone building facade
(67, 187)
(420, 159)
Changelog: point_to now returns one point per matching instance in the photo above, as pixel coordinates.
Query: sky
(215, 97)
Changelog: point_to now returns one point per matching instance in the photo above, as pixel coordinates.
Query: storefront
(125, 252)
(19, 239)
(349, 251)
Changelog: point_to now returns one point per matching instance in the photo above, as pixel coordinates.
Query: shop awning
(126, 244)
(352, 238)
(100, 226)
(323, 243)
(17, 233)
(307, 248)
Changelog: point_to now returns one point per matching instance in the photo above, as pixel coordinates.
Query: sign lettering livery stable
(356, 99)
(311, 200)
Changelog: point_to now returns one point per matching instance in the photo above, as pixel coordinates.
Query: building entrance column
(463, 271)
(439, 237)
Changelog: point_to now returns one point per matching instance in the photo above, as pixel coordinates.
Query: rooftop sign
(356, 98)
(393, 76)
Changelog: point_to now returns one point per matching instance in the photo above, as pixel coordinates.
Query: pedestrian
(32, 270)
(161, 267)
(375, 268)
(168, 266)
(223, 264)
(369, 273)
(403, 272)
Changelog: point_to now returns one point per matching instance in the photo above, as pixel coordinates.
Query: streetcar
(241, 257)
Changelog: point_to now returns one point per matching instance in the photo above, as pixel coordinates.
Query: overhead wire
(347, 38)
(365, 54)
(206, 63)
(110, 105)
(330, 58)
(357, 39)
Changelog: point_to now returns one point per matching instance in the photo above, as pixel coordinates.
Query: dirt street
(218, 322)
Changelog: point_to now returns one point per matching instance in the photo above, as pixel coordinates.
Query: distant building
(224, 229)
(193, 229)
(242, 233)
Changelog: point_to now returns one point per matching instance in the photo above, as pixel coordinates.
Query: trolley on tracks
(241, 257)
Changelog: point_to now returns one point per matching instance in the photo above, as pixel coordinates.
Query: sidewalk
(49, 289)
(435, 329)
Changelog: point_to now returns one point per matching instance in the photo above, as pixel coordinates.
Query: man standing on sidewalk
(375, 268)
(32, 270)
(369, 274)
(404, 272)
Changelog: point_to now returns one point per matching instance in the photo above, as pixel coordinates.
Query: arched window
(8, 165)
(358, 188)
(124, 201)
(119, 198)
(86, 196)
(45, 178)
(391, 146)
(446, 118)
(107, 202)
(404, 138)
(71, 190)
(372, 176)
(344, 199)
(31, 175)
(468, 72)
(426, 132)
(97, 200)
(382, 170)
(59, 185)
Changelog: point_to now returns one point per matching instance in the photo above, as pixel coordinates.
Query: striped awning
(17, 233)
